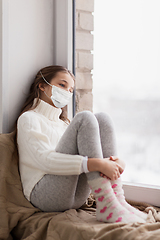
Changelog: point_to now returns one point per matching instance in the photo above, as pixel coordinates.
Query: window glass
(126, 81)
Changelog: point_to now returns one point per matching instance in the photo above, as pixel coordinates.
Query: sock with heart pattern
(109, 209)
(119, 193)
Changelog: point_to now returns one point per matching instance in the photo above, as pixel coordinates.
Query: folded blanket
(13, 205)
(20, 220)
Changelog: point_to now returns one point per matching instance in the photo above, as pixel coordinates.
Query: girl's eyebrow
(63, 80)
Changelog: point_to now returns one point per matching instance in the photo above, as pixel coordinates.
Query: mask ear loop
(45, 79)
(46, 82)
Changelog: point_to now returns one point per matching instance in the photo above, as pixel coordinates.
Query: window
(126, 82)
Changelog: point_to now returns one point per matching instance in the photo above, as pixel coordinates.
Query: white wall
(30, 32)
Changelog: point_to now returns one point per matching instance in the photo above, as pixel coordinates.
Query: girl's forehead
(64, 76)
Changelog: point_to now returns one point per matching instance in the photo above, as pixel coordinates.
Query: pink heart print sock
(119, 193)
(109, 208)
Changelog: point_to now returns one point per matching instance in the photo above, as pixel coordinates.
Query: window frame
(65, 41)
(142, 193)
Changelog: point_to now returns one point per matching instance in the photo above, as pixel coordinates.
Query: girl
(60, 162)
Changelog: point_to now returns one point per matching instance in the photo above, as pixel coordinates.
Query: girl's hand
(120, 163)
(111, 169)
(108, 167)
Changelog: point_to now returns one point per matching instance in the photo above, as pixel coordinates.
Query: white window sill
(142, 193)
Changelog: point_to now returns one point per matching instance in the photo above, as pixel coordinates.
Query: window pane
(126, 81)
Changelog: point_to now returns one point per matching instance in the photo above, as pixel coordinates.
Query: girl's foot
(119, 193)
(109, 208)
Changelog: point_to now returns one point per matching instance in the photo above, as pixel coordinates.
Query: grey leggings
(87, 135)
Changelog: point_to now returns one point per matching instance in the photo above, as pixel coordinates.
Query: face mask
(60, 97)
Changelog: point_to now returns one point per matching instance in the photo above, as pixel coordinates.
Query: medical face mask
(60, 97)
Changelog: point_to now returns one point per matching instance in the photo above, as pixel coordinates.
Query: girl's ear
(41, 87)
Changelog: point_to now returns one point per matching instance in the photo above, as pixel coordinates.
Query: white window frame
(64, 39)
(142, 193)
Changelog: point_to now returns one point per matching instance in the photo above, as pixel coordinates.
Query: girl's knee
(87, 117)
(104, 118)
(85, 113)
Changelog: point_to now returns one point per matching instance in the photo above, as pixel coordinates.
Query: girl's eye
(62, 85)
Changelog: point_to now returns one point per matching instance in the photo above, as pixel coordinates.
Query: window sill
(142, 193)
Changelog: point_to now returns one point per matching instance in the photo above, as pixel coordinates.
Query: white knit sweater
(38, 132)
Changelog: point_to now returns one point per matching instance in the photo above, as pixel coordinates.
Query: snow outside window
(126, 80)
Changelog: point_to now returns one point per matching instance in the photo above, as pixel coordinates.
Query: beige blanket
(20, 220)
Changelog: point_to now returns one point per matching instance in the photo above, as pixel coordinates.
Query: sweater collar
(48, 110)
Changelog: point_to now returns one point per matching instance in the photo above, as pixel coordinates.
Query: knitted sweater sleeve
(36, 151)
